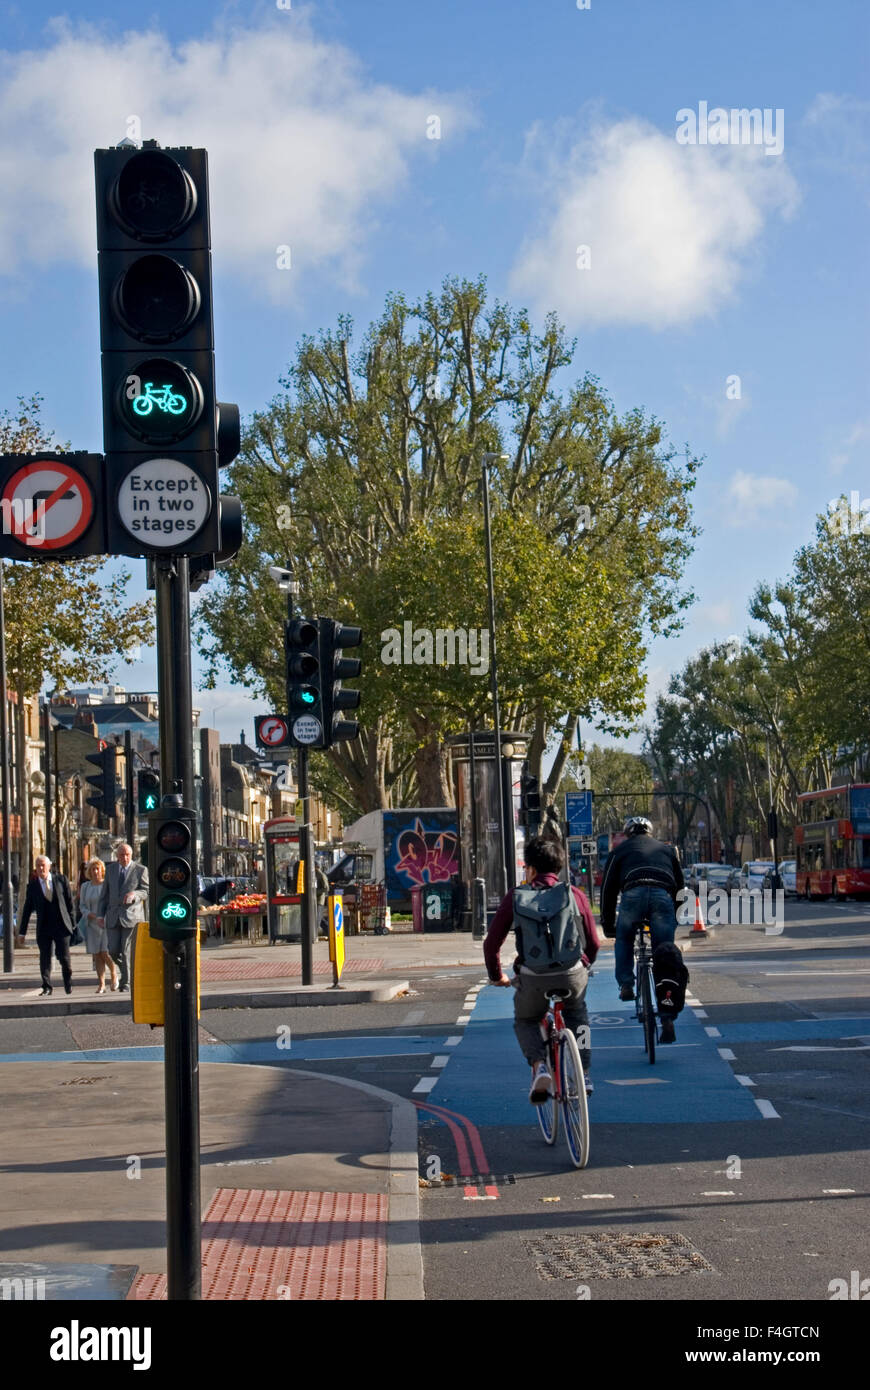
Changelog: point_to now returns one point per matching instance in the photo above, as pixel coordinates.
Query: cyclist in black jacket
(648, 875)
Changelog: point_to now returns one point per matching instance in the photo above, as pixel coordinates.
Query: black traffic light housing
(148, 785)
(304, 682)
(172, 872)
(104, 783)
(334, 667)
(530, 798)
(160, 410)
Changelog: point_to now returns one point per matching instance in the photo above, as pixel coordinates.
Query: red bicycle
(569, 1082)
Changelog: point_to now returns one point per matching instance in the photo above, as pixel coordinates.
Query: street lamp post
(493, 671)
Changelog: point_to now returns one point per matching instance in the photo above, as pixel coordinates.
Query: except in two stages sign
(163, 502)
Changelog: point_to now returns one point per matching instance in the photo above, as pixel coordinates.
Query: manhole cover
(603, 1256)
(84, 1080)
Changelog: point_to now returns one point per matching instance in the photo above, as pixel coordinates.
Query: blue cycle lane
(487, 1078)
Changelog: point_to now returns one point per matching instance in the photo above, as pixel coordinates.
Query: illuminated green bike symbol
(163, 399)
(174, 910)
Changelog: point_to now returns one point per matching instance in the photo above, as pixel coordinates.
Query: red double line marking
(450, 1118)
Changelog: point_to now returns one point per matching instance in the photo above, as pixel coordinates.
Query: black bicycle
(645, 990)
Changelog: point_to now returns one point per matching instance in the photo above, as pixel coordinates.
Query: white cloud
(753, 494)
(303, 149)
(715, 615)
(857, 436)
(670, 227)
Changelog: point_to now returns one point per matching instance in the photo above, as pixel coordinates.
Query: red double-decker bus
(832, 839)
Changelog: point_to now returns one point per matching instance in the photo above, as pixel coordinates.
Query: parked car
(788, 875)
(715, 876)
(751, 874)
(695, 873)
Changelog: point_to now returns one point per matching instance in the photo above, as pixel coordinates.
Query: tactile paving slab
(265, 1245)
(279, 969)
(600, 1255)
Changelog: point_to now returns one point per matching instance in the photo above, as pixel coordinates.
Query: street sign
(50, 505)
(336, 934)
(583, 777)
(163, 503)
(307, 729)
(578, 812)
(271, 731)
(587, 847)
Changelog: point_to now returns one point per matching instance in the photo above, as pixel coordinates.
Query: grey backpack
(549, 928)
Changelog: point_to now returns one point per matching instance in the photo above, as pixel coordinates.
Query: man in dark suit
(125, 893)
(50, 897)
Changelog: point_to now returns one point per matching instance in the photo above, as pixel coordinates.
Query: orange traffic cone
(698, 929)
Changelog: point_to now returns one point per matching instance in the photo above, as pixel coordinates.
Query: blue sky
(557, 128)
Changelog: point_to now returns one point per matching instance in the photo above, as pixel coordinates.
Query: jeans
(641, 904)
(530, 1006)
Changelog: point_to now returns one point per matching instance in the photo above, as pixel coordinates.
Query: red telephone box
(281, 837)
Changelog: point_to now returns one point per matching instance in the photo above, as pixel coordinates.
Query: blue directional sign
(578, 812)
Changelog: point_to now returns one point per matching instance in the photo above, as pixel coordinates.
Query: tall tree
(364, 478)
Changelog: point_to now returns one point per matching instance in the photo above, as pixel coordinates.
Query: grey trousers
(530, 1005)
(119, 950)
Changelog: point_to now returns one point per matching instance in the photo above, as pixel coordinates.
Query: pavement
(309, 1183)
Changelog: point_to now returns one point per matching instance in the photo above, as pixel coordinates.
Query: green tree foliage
(364, 478)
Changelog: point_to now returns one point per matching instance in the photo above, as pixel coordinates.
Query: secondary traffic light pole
(181, 1044)
(306, 847)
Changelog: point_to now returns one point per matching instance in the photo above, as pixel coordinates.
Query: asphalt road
(735, 1169)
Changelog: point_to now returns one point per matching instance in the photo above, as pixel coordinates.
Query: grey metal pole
(46, 738)
(181, 1042)
(129, 824)
(5, 773)
(493, 673)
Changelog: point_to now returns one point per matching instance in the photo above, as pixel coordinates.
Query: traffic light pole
(306, 847)
(181, 1044)
(5, 774)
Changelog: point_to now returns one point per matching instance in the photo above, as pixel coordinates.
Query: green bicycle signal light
(172, 872)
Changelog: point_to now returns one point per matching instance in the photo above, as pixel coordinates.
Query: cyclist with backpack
(556, 943)
(647, 873)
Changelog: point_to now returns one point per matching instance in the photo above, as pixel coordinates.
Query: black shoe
(68, 989)
(122, 989)
(626, 992)
(44, 991)
(668, 1035)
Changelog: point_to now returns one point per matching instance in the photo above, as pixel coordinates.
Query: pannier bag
(549, 929)
(671, 977)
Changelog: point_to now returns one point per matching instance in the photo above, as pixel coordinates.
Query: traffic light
(149, 791)
(334, 668)
(304, 692)
(160, 410)
(172, 873)
(105, 782)
(530, 798)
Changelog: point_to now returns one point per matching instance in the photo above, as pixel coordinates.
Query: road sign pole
(181, 1050)
(46, 738)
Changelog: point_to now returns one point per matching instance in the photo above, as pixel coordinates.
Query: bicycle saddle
(558, 994)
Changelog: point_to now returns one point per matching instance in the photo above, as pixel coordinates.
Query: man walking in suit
(123, 905)
(50, 897)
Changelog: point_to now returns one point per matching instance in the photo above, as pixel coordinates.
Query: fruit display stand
(245, 916)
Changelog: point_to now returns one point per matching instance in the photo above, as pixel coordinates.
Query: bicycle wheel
(573, 1098)
(548, 1110)
(648, 1016)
